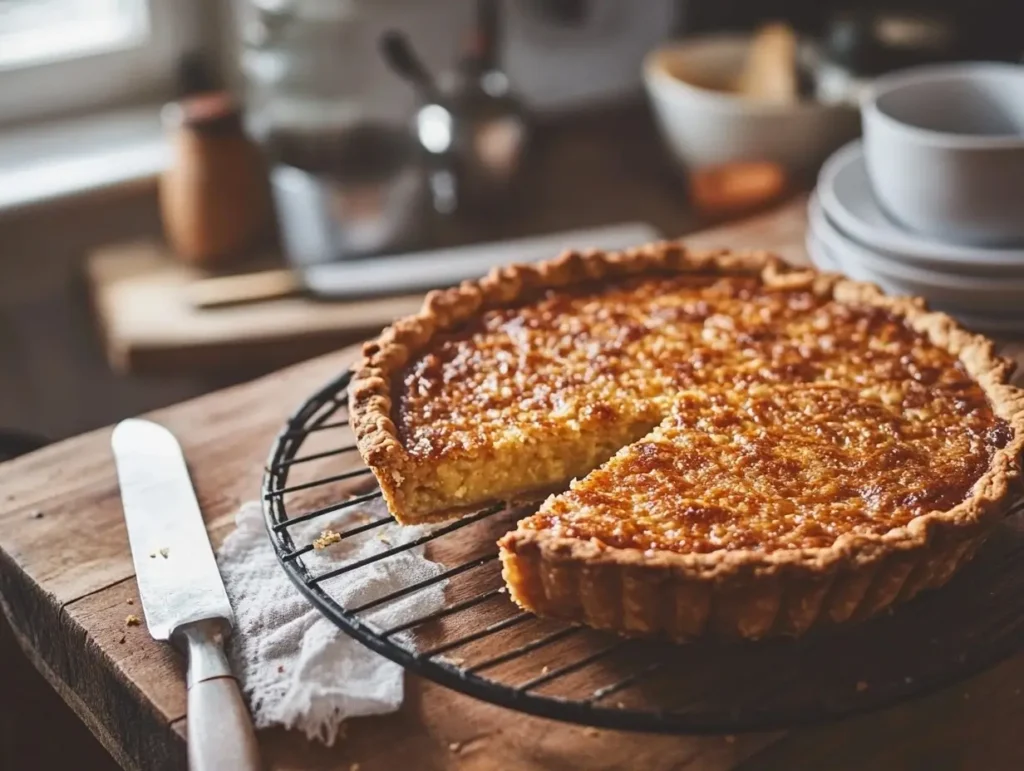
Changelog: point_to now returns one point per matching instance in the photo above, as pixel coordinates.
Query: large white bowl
(945, 150)
(703, 125)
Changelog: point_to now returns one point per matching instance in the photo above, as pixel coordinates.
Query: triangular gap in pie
(774, 448)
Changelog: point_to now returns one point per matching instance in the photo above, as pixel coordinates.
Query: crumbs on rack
(327, 537)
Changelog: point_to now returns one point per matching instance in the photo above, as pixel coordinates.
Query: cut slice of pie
(755, 450)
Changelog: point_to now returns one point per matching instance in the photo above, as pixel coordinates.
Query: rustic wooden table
(66, 579)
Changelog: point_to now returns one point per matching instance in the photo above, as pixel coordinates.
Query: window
(70, 56)
(40, 31)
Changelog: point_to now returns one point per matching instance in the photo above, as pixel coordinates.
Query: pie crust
(728, 593)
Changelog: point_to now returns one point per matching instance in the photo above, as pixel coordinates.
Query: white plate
(825, 260)
(819, 255)
(948, 291)
(844, 191)
(975, 322)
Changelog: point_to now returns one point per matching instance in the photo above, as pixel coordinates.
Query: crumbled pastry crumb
(861, 686)
(164, 552)
(123, 638)
(327, 537)
(37, 514)
(592, 732)
(455, 746)
(152, 555)
(503, 590)
(280, 668)
(132, 620)
(620, 705)
(130, 601)
(383, 539)
(730, 739)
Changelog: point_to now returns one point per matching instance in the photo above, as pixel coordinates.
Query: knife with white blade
(182, 592)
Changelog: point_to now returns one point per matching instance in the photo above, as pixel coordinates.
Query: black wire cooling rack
(478, 642)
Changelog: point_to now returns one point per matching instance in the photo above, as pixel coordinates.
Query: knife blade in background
(183, 596)
(406, 273)
(435, 268)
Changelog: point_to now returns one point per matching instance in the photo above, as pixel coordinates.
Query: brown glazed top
(779, 467)
(788, 418)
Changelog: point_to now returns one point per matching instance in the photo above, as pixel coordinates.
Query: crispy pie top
(770, 468)
(786, 418)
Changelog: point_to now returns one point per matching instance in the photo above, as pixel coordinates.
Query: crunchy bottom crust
(648, 601)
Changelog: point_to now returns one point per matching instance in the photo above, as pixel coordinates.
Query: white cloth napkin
(295, 666)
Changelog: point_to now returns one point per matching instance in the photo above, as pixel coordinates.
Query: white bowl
(945, 150)
(703, 125)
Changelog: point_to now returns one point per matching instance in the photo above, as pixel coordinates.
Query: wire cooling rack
(478, 642)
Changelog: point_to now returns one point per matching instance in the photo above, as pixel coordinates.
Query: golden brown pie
(752, 449)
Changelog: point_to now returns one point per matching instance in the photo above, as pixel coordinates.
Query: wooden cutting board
(149, 325)
(66, 581)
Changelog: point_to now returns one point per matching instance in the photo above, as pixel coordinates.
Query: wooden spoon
(770, 71)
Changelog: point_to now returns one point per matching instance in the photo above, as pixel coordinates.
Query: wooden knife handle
(224, 291)
(220, 731)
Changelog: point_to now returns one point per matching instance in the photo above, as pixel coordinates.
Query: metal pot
(348, 193)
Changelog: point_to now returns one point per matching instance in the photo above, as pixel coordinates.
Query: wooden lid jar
(214, 196)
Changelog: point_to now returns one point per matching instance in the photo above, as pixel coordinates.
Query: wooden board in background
(149, 326)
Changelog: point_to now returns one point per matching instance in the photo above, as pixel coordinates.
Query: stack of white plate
(850, 233)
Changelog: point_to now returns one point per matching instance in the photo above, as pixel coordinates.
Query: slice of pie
(749, 450)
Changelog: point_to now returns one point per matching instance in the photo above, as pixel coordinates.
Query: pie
(736, 448)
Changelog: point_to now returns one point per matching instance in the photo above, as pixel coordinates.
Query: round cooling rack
(473, 639)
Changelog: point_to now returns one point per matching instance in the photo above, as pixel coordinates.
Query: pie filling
(719, 414)
(777, 468)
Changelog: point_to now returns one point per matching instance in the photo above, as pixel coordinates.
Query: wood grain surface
(66, 579)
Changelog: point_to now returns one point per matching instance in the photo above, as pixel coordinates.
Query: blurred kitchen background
(195, 193)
